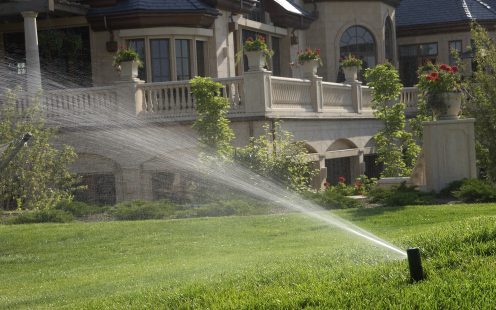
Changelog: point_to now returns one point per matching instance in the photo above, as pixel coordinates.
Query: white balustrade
(337, 96)
(409, 96)
(289, 93)
(174, 99)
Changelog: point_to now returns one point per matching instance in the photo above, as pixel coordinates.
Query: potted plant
(442, 87)
(309, 60)
(127, 61)
(351, 65)
(258, 53)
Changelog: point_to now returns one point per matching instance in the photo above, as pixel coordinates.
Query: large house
(71, 44)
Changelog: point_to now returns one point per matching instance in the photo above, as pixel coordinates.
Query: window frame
(172, 53)
(452, 61)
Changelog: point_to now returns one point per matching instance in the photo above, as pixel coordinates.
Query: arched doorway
(360, 42)
(342, 161)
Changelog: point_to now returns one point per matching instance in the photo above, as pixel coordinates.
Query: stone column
(316, 94)
(131, 183)
(356, 96)
(449, 152)
(32, 54)
(257, 91)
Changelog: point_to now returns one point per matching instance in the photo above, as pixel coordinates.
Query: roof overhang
(15, 7)
(393, 3)
(438, 28)
(285, 14)
(235, 6)
(147, 19)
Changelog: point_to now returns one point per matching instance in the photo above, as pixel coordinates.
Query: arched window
(358, 41)
(389, 44)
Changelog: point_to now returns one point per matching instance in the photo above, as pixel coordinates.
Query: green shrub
(143, 210)
(401, 196)
(80, 209)
(474, 190)
(452, 187)
(329, 199)
(226, 208)
(41, 216)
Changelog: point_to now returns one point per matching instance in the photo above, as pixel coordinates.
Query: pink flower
(444, 67)
(341, 179)
(454, 69)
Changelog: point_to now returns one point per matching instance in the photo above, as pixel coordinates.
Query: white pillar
(32, 54)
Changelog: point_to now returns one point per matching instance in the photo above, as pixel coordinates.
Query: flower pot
(446, 106)
(129, 70)
(309, 68)
(350, 74)
(256, 60)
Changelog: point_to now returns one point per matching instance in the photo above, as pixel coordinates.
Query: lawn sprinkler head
(415, 264)
(26, 137)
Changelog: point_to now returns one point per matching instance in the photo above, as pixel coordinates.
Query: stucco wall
(334, 18)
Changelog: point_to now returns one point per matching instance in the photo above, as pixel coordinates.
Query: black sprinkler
(415, 264)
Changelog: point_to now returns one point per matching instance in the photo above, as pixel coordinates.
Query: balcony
(254, 95)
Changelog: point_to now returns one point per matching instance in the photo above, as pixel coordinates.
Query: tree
(277, 156)
(38, 176)
(481, 103)
(212, 124)
(396, 147)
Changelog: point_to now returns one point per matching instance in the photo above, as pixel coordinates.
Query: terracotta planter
(446, 106)
(256, 60)
(350, 74)
(129, 70)
(309, 68)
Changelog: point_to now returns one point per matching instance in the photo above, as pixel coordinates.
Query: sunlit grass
(271, 261)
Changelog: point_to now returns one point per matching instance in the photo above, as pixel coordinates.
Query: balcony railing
(256, 94)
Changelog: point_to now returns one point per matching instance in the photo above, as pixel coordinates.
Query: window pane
(183, 60)
(358, 41)
(160, 59)
(139, 46)
(428, 49)
(200, 58)
(276, 58)
(454, 45)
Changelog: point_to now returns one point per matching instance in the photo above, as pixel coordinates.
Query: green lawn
(277, 261)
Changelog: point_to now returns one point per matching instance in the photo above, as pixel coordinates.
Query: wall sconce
(294, 38)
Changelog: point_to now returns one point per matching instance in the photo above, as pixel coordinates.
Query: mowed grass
(253, 262)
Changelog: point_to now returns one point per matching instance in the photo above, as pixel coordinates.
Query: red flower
(434, 76)
(454, 69)
(444, 67)
(326, 184)
(341, 179)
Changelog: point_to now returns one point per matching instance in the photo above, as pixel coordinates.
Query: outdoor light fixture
(415, 264)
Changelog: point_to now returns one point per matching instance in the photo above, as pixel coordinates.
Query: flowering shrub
(435, 79)
(350, 61)
(361, 186)
(126, 54)
(258, 44)
(309, 54)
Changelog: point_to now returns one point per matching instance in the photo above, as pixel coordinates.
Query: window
(414, 56)
(276, 58)
(389, 40)
(160, 60)
(200, 58)
(358, 41)
(457, 46)
(139, 46)
(272, 42)
(182, 60)
(170, 59)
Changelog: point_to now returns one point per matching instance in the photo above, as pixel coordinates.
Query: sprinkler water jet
(415, 264)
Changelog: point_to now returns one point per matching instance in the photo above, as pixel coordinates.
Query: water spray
(415, 264)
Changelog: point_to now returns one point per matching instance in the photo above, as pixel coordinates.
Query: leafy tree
(481, 103)
(212, 124)
(38, 176)
(277, 156)
(396, 147)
